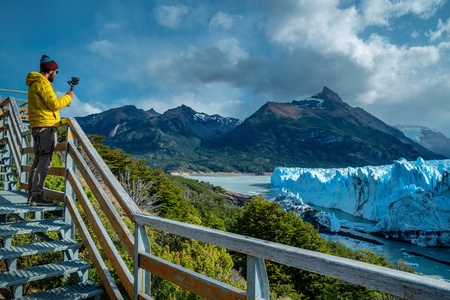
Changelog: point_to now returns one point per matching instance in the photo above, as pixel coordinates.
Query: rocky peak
(328, 94)
(182, 110)
(153, 113)
(320, 101)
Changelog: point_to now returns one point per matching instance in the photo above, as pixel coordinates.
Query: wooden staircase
(19, 218)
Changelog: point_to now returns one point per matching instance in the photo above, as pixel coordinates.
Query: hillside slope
(321, 131)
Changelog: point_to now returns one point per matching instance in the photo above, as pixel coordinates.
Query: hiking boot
(40, 200)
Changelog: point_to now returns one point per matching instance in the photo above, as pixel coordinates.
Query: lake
(393, 250)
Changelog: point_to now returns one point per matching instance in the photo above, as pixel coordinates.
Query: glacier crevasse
(405, 198)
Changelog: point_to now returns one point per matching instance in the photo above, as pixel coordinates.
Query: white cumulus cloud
(77, 108)
(222, 20)
(231, 47)
(442, 28)
(102, 47)
(380, 12)
(170, 16)
(216, 98)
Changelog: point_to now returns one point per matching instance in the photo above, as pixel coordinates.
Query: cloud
(233, 51)
(170, 16)
(380, 12)
(226, 62)
(444, 45)
(110, 26)
(77, 108)
(222, 20)
(320, 44)
(102, 47)
(320, 35)
(441, 29)
(217, 98)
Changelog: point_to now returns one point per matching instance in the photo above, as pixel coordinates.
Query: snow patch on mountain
(202, 117)
(309, 103)
(413, 132)
(405, 198)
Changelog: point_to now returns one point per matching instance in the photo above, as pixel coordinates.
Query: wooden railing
(391, 281)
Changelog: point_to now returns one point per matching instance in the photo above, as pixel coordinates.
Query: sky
(389, 57)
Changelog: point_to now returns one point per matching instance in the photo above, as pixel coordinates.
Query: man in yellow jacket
(43, 112)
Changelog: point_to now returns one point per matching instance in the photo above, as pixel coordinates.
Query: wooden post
(141, 277)
(257, 281)
(68, 190)
(25, 161)
(70, 254)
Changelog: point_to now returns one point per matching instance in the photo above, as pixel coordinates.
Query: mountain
(115, 121)
(431, 139)
(168, 141)
(321, 131)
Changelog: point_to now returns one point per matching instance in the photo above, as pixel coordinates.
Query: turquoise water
(393, 250)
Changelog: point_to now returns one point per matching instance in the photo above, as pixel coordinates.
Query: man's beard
(51, 78)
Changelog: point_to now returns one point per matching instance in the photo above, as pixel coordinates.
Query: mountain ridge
(320, 131)
(431, 139)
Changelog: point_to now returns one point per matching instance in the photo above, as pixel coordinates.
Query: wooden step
(74, 292)
(33, 226)
(8, 182)
(37, 248)
(17, 277)
(6, 173)
(19, 208)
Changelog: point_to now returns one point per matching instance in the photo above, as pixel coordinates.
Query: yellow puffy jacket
(43, 106)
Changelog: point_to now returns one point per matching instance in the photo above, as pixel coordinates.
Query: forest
(200, 203)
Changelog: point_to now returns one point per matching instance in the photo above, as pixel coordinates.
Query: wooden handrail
(391, 281)
(51, 194)
(5, 102)
(19, 108)
(13, 91)
(109, 179)
(189, 280)
(111, 213)
(107, 244)
(55, 171)
(60, 146)
(97, 260)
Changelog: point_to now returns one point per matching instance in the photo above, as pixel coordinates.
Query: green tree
(265, 220)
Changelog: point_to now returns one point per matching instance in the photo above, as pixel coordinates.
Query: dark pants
(44, 144)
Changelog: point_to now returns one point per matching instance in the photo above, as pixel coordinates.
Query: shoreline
(218, 174)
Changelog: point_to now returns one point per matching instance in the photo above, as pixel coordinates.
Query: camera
(74, 81)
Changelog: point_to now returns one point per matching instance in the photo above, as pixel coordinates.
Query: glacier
(323, 221)
(410, 201)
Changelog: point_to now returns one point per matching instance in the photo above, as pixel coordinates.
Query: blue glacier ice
(324, 221)
(409, 200)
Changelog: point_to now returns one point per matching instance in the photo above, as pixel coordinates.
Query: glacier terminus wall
(409, 201)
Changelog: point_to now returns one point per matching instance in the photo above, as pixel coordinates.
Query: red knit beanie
(48, 64)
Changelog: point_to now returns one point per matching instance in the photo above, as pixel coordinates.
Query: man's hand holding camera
(70, 93)
(74, 81)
